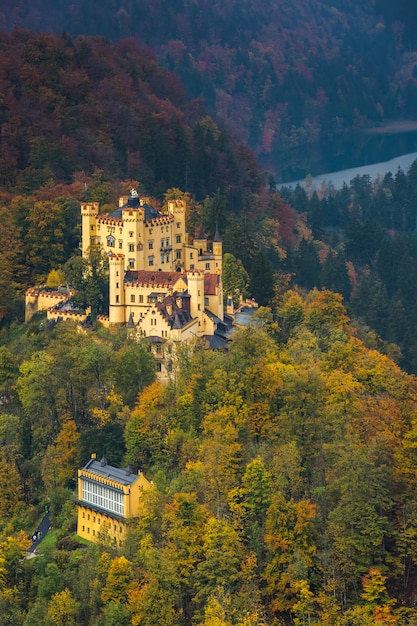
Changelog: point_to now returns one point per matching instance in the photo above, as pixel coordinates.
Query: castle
(163, 284)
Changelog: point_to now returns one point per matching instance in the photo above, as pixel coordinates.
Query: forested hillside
(79, 105)
(280, 74)
(363, 244)
(284, 468)
(80, 115)
(284, 477)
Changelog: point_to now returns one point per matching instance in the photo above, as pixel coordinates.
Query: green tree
(261, 279)
(235, 279)
(134, 369)
(89, 276)
(221, 564)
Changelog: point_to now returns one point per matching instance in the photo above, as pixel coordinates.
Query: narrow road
(40, 532)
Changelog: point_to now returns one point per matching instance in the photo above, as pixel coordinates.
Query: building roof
(133, 202)
(160, 279)
(168, 279)
(176, 316)
(215, 342)
(122, 475)
(211, 282)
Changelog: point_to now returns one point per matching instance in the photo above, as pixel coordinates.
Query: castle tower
(133, 216)
(178, 208)
(89, 213)
(117, 291)
(218, 252)
(200, 242)
(195, 281)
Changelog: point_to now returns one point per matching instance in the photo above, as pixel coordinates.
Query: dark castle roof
(134, 203)
(123, 475)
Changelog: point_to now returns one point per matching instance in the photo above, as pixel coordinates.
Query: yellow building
(147, 238)
(107, 497)
(162, 283)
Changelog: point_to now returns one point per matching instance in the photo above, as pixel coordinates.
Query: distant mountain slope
(77, 104)
(280, 73)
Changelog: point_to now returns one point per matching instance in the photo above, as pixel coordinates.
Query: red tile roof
(211, 282)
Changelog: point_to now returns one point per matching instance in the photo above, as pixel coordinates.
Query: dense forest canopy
(284, 468)
(284, 476)
(280, 74)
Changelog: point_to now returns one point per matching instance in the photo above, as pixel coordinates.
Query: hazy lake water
(375, 153)
(337, 179)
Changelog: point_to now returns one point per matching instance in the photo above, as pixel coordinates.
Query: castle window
(131, 263)
(83, 529)
(92, 227)
(159, 366)
(206, 301)
(131, 233)
(150, 245)
(199, 308)
(178, 225)
(140, 299)
(192, 266)
(92, 240)
(120, 244)
(162, 258)
(117, 285)
(178, 238)
(207, 266)
(150, 260)
(117, 299)
(131, 247)
(178, 254)
(111, 242)
(191, 255)
(132, 297)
